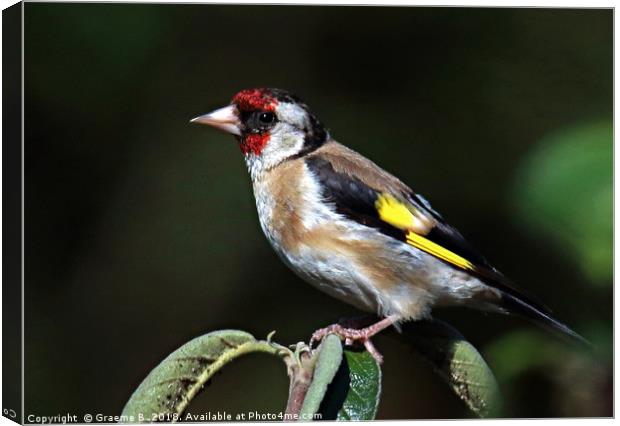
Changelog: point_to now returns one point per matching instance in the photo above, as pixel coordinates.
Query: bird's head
(271, 125)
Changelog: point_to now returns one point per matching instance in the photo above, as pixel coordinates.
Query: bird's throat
(254, 143)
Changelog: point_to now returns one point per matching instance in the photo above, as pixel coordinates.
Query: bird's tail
(514, 305)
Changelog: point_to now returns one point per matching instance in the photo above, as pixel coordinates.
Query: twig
(300, 374)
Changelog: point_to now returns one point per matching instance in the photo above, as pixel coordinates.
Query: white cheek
(286, 139)
(293, 114)
(290, 141)
(284, 142)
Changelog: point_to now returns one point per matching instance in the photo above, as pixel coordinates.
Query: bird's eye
(266, 117)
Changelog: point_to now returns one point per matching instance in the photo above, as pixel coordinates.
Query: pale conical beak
(226, 119)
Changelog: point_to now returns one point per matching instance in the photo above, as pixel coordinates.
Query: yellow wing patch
(406, 217)
(401, 215)
(394, 212)
(438, 251)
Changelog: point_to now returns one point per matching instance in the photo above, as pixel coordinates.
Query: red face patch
(254, 143)
(255, 99)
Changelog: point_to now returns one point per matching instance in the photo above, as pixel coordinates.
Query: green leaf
(518, 351)
(364, 391)
(458, 363)
(564, 191)
(355, 391)
(168, 389)
(355, 387)
(327, 364)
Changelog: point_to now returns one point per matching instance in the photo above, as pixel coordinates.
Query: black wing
(361, 202)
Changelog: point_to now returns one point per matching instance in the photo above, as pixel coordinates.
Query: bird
(355, 231)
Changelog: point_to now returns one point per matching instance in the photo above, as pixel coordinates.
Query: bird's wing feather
(364, 192)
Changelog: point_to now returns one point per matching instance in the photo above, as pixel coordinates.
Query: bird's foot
(352, 335)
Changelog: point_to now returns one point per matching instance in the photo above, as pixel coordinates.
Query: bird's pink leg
(352, 335)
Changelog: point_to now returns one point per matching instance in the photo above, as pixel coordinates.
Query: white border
(453, 3)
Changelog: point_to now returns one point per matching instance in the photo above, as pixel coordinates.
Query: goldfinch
(353, 230)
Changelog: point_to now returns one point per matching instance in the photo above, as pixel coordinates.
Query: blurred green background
(141, 230)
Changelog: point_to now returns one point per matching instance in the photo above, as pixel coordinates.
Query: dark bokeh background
(141, 230)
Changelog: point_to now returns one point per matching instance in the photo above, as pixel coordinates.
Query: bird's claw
(350, 337)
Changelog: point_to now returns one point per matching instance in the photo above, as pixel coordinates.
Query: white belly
(335, 275)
